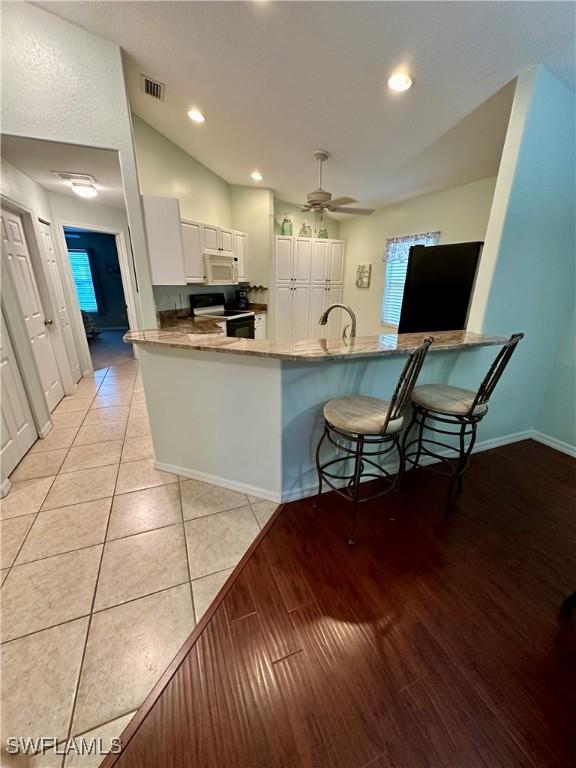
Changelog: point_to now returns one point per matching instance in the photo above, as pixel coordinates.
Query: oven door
(242, 328)
(221, 270)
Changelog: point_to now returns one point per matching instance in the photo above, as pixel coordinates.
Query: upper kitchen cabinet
(240, 249)
(162, 219)
(327, 262)
(218, 239)
(292, 259)
(194, 271)
(177, 246)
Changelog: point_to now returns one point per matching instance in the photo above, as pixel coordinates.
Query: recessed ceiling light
(256, 176)
(400, 81)
(196, 116)
(84, 190)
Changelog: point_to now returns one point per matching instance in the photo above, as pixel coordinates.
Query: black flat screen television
(438, 288)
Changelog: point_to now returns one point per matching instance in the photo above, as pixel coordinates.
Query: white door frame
(125, 275)
(33, 241)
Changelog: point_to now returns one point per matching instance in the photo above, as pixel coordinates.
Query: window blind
(396, 257)
(82, 274)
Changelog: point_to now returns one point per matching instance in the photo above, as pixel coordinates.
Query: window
(396, 258)
(82, 274)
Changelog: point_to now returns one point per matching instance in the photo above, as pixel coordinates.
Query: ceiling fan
(320, 200)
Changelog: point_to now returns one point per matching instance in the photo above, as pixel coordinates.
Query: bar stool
(453, 407)
(373, 427)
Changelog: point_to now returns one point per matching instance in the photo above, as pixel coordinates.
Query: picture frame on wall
(363, 275)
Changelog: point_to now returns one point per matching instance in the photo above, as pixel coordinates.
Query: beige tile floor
(106, 565)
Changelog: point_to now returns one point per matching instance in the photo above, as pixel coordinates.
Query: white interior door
(18, 430)
(16, 258)
(57, 291)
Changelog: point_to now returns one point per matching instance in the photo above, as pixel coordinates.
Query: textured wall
(64, 84)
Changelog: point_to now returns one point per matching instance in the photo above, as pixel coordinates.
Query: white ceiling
(277, 80)
(38, 159)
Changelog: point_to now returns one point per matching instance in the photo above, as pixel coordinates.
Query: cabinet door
(193, 259)
(283, 259)
(320, 261)
(338, 317)
(301, 260)
(210, 237)
(227, 241)
(300, 311)
(318, 299)
(336, 262)
(283, 312)
(162, 220)
(240, 241)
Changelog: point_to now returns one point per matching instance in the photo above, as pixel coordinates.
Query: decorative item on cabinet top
(177, 246)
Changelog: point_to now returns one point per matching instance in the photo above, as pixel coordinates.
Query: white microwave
(220, 270)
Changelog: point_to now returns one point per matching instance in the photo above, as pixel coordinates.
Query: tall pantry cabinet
(308, 277)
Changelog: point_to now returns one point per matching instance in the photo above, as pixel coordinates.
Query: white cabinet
(260, 325)
(292, 259)
(218, 239)
(210, 238)
(192, 246)
(327, 261)
(320, 261)
(176, 246)
(239, 247)
(308, 277)
(321, 297)
(162, 219)
(227, 241)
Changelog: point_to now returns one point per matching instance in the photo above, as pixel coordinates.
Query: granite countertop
(173, 323)
(312, 350)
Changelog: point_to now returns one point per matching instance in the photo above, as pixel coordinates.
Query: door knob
(48, 322)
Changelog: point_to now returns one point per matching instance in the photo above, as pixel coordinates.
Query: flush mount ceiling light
(84, 190)
(256, 176)
(399, 81)
(196, 116)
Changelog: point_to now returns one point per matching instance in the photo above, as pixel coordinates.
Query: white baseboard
(483, 445)
(251, 490)
(553, 442)
(5, 487)
(45, 429)
(312, 488)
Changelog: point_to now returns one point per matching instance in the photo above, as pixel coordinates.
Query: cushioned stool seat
(360, 414)
(443, 398)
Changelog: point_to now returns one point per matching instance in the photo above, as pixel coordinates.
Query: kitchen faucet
(352, 324)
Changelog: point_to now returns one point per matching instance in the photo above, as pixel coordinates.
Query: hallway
(108, 350)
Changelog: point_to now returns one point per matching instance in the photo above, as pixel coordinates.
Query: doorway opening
(97, 277)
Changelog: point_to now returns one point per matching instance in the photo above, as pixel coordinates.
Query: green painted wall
(168, 171)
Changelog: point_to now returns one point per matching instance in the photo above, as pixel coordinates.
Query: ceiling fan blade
(305, 208)
(356, 211)
(341, 201)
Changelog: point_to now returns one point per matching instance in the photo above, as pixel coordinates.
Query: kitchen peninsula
(247, 414)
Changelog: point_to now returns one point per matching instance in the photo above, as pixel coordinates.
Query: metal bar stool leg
(316, 504)
(457, 483)
(356, 488)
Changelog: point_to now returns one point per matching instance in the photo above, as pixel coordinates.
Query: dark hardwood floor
(427, 644)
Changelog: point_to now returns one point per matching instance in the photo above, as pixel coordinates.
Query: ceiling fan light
(399, 81)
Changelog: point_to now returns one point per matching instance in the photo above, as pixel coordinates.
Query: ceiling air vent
(152, 87)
